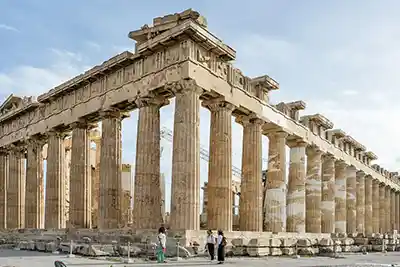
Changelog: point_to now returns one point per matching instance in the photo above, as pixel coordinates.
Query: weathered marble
(296, 195)
(375, 206)
(55, 186)
(185, 188)
(360, 202)
(328, 195)
(250, 206)
(110, 171)
(96, 184)
(392, 210)
(3, 187)
(147, 204)
(387, 209)
(313, 190)
(382, 209)
(34, 197)
(340, 197)
(80, 179)
(16, 189)
(397, 210)
(275, 189)
(219, 208)
(368, 211)
(351, 195)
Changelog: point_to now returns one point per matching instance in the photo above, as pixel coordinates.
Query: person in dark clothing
(211, 244)
(221, 243)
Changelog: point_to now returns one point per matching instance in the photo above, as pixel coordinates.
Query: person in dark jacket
(221, 243)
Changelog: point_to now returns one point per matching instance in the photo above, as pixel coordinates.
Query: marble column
(16, 189)
(397, 211)
(110, 171)
(375, 206)
(34, 197)
(185, 188)
(392, 210)
(55, 184)
(382, 207)
(328, 194)
(296, 195)
(3, 187)
(96, 184)
(220, 201)
(360, 202)
(351, 196)
(368, 212)
(387, 209)
(148, 195)
(80, 178)
(250, 204)
(275, 189)
(340, 197)
(313, 190)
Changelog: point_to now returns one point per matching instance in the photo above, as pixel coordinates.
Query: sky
(340, 57)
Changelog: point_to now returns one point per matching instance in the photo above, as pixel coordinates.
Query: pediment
(13, 102)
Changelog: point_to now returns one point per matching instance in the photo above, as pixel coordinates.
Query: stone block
(258, 251)
(238, 242)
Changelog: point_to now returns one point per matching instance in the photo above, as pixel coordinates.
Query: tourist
(161, 245)
(221, 242)
(211, 244)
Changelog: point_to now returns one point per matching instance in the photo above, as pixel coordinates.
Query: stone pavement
(29, 259)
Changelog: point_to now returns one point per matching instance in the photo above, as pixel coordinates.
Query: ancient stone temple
(331, 186)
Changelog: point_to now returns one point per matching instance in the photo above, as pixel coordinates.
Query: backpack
(224, 242)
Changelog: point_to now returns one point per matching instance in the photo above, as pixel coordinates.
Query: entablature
(14, 106)
(335, 137)
(317, 124)
(291, 109)
(262, 85)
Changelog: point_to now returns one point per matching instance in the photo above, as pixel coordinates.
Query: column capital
(113, 113)
(4, 151)
(57, 133)
(83, 124)
(341, 163)
(39, 141)
(328, 156)
(296, 143)
(17, 149)
(360, 174)
(352, 167)
(312, 149)
(217, 104)
(151, 99)
(184, 86)
(276, 133)
(247, 119)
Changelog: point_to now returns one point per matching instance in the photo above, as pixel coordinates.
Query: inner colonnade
(332, 185)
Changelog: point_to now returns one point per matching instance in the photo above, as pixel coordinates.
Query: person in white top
(221, 243)
(211, 244)
(161, 245)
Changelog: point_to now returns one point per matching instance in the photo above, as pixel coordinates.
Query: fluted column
(55, 185)
(110, 170)
(375, 206)
(80, 186)
(275, 191)
(313, 190)
(397, 212)
(351, 197)
(147, 204)
(382, 209)
(328, 194)
(220, 201)
(3, 187)
(296, 195)
(387, 209)
(368, 212)
(360, 202)
(340, 197)
(16, 190)
(250, 204)
(96, 184)
(34, 185)
(392, 210)
(185, 191)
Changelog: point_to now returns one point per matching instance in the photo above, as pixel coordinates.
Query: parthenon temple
(332, 185)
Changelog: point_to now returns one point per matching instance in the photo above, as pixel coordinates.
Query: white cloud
(8, 28)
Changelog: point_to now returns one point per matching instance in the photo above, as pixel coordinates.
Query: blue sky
(341, 57)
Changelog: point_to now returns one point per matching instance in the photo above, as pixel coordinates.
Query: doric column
(387, 209)
(250, 204)
(275, 190)
(185, 191)
(382, 207)
(351, 195)
(313, 190)
(397, 212)
(55, 184)
(110, 170)
(375, 206)
(296, 195)
(80, 185)
(328, 194)
(34, 198)
(3, 187)
(220, 202)
(368, 212)
(392, 210)
(16, 189)
(147, 204)
(340, 197)
(96, 184)
(360, 202)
